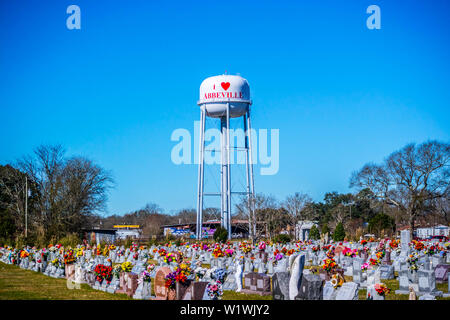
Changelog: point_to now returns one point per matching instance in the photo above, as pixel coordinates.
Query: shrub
(325, 229)
(339, 232)
(70, 240)
(220, 235)
(314, 233)
(282, 238)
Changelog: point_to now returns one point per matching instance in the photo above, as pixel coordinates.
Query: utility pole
(26, 206)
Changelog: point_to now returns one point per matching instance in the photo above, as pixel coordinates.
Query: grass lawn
(20, 284)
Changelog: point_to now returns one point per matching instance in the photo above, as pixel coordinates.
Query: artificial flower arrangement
(229, 252)
(116, 271)
(326, 247)
(103, 272)
(112, 247)
(162, 252)
(364, 266)
(215, 290)
(329, 265)
(418, 245)
(412, 261)
(315, 248)
(170, 257)
(217, 252)
(363, 242)
(382, 289)
(55, 262)
(380, 254)
(134, 247)
(151, 267)
(200, 273)
(127, 266)
(179, 275)
(374, 262)
(394, 244)
(330, 254)
(262, 246)
(349, 252)
(69, 257)
(24, 254)
(145, 277)
(136, 256)
(431, 250)
(336, 280)
(219, 275)
(290, 252)
(79, 253)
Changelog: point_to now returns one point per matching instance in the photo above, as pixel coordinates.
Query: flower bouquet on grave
(330, 266)
(145, 277)
(162, 252)
(103, 272)
(418, 245)
(169, 257)
(262, 246)
(291, 252)
(127, 266)
(69, 257)
(151, 267)
(337, 280)
(116, 271)
(412, 262)
(394, 244)
(55, 262)
(219, 275)
(365, 266)
(374, 262)
(363, 242)
(136, 256)
(382, 289)
(217, 252)
(431, 250)
(330, 254)
(214, 290)
(229, 252)
(380, 254)
(200, 273)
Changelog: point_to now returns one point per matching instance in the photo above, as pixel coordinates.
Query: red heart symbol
(225, 85)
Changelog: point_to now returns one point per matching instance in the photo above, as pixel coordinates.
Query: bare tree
(68, 190)
(296, 206)
(409, 178)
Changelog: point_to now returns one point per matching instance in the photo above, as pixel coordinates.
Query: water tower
(224, 97)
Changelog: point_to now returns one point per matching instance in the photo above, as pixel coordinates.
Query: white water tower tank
(216, 92)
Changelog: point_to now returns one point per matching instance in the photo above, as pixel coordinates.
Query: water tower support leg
(228, 174)
(200, 175)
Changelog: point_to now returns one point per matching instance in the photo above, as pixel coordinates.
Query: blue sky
(340, 94)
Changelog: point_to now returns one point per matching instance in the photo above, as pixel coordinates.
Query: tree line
(65, 195)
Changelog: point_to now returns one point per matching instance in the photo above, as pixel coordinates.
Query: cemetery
(383, 269)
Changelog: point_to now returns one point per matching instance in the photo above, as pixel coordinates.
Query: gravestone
(296, 276)
(387, 272)
(280, 283)
(195, 291)
(329, 292)
(348, 291)
(311, 288)
(442, 271)
(160, 281)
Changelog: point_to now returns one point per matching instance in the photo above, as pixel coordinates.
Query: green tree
(314, 233)
(339, 232)
(220, 235)
(381, 222)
